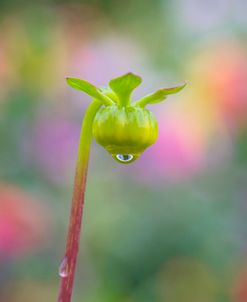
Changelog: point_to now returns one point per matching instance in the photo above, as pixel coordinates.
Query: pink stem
(73, 239)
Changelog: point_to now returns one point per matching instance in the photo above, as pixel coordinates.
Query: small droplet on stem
(63, 268)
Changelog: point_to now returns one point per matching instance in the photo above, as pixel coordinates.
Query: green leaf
(123, 87)
(108, 92)
(158, 96)
(89, 89)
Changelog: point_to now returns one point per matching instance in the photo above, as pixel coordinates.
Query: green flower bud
(125, 132)
(123, 128)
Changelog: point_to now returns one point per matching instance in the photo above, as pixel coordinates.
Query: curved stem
(68, 265)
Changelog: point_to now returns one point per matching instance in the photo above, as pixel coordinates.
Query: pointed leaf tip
(159, 95)
(83, 86)
(173, 90)
(89, 89)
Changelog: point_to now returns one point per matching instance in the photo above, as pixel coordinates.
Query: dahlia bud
(125, 132)
(123, 128)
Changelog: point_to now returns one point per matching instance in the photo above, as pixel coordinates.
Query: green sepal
(123, 87)
(89, 89)
(158, 96)
(109, 93)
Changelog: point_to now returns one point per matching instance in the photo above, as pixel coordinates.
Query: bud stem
(73, 238)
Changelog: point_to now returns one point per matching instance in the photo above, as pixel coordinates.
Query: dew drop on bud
(125, 158)
(63, 268)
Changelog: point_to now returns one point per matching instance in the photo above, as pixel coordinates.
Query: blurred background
(171, 226)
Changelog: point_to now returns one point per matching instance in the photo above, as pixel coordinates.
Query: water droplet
(63, 268)
(125, 158)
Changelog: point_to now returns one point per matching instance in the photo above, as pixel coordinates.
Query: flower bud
(125, 132)
(123, 128)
